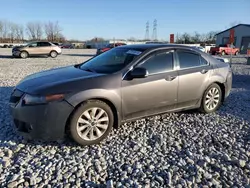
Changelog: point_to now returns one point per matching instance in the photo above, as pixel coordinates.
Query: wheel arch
(220, 80)
(223, 89)
(24, 51)
(53, 51)
(114, 105)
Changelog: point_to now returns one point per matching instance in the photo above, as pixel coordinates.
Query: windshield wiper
(88, 69)
(85, 69)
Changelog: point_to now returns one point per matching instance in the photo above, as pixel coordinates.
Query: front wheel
(91, 122)
(223, 53)
(24, 54)
(212, 98)
(236, 53)
(53, 54)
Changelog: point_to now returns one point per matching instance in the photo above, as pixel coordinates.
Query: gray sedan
(123, 84)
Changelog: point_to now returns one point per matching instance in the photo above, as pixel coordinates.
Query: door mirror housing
(139, 72)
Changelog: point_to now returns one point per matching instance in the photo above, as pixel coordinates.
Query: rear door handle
(170, 78)
(204, 71)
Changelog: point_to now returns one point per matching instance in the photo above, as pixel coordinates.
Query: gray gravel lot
(186, 149)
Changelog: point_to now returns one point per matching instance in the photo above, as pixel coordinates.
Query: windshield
(111, 61)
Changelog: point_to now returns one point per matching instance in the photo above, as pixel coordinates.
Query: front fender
(111, 95)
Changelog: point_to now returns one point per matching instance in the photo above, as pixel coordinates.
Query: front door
(155, 93)
(193, 75)
(32, 48)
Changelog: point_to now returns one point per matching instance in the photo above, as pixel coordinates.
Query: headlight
(32, 99)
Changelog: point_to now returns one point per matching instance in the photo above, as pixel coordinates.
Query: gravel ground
(173, 150)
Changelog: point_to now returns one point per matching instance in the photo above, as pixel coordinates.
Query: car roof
(155, 46)
(39, 41)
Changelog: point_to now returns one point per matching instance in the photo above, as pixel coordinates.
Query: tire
(212, 89)
(53, 54)
(236, 53)
(79, 120)
(223, 53)
(24, 54)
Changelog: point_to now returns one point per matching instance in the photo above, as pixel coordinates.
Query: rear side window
(188, 60)
(44, 44)
(159, 63)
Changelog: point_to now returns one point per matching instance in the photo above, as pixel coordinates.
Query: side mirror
(139, 72)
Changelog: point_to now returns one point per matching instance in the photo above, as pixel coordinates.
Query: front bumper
(40, 122)
(16, 53)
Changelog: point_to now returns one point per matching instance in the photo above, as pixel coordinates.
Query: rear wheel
(24, 54)
(91, 122)
(53, 54)
(223, 53)
(236, 53)
(212, 98)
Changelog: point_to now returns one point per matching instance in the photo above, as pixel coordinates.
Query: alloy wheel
(53, 54)
(24, 55)
(212, 98)
(92, 124)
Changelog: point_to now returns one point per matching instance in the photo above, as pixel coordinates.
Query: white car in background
(222, 59)
(208, 47)
(200, 48)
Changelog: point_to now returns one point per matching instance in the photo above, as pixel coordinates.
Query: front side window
(111, 61)
(188, 60)
(158, 63)
(33, 44)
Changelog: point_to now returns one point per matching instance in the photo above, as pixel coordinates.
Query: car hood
(18, 47)
(52, 80)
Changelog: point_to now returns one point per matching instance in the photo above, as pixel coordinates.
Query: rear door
(193, 72)
(155, 93)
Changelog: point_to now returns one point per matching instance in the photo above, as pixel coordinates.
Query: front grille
(16, 96)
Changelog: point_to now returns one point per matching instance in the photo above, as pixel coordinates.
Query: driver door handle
(204, 71)
(170, 78)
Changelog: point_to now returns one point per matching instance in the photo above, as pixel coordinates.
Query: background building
(241, 39)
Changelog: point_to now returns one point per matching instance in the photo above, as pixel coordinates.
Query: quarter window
(187, 60)
(159, 63)
(203, 61)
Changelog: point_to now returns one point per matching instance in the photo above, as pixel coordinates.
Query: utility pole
(147, 31)
(154, 36)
